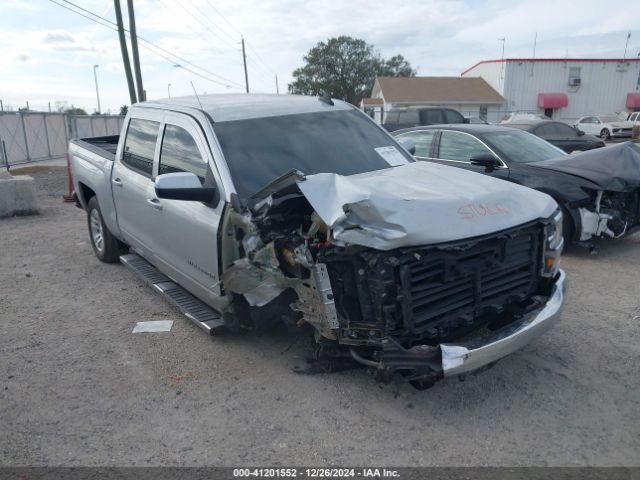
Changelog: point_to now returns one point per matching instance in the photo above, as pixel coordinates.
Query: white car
(605, 126)
(634, 118)
(514, 117)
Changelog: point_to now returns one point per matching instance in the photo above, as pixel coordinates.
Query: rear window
(522, 147)
(346, 142)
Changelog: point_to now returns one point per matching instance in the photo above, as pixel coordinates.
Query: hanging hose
(364, 361)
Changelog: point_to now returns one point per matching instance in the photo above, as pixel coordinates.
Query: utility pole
(277, 89)
(503, 39)
(142, 95)
(626, 45)
(95, 77)
(125, 52)
(244, 60)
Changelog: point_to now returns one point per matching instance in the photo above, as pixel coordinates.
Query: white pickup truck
(249, 210)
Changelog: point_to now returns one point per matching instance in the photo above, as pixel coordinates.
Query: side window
(451, 116)
(459, 146)
(565, 131)
(431, 117)
(574, 75)
(422, 140)
(544, 130)
(180, 153)
(139, 145)
(556, 130)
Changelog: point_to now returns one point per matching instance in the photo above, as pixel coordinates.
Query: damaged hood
(615, 167)
(421, 203)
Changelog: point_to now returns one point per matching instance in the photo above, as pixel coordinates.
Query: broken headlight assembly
(554, 243)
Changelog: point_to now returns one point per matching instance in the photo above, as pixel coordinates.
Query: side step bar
(195, 310)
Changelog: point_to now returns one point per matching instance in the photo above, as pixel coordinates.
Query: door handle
(117, 182)
(155, 203)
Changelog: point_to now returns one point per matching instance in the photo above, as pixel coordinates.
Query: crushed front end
(421, 312)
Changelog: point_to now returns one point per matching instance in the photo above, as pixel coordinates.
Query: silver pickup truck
(247, 211)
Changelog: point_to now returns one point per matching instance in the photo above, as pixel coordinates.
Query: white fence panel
(99, 126)
(34, 136)
(12, 134)
(57, 134)
(82, 127)
(35, 130)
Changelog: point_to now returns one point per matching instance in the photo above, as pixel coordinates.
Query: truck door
(185, 233)
(132, 182)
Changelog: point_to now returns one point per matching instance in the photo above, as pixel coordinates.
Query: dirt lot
(78, 388)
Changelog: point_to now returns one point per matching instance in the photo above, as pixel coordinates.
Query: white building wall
(492, 74)
(604, 85)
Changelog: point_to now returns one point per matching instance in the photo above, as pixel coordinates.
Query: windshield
(259, 150)
(522, 147)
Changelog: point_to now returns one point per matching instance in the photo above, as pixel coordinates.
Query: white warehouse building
(563, 89)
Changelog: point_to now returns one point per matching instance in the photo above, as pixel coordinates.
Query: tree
(75, 111)
(124, 109)
(345, 68)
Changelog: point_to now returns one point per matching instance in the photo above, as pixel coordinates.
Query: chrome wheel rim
(97, 235)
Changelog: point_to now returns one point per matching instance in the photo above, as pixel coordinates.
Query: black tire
(605, 134)
(568, 228)
(106, 247)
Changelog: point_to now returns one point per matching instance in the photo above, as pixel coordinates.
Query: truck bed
(104, 146)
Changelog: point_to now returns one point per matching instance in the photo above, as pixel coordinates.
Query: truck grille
(450, 288)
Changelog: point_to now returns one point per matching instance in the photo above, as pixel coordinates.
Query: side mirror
(185, 186)
(580, 132)
(408, 144)
(466, 120)
(486, 160)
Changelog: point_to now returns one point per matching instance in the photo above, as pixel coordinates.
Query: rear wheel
(605, 134)
(106, 247)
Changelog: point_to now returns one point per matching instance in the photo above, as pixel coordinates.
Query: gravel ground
(78, 388)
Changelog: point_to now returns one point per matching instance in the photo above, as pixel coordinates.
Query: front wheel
(106, 247)
(605, 134)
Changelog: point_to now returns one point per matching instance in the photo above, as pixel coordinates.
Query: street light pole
(169, 89)
(95, 77)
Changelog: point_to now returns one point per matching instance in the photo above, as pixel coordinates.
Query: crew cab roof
(229, 107)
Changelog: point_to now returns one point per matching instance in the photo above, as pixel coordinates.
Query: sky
(48, 52)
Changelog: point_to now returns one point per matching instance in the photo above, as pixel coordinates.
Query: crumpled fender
(420, 203)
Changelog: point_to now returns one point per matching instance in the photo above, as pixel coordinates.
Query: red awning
(552, 100)
(633, 100)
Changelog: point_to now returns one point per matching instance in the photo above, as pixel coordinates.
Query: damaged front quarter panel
(380, 264)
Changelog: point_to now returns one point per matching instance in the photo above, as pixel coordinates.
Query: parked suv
(605, 126)
(413, 117)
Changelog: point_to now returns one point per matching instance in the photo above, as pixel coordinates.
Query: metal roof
(229, 107)
(506, 60)
(437, 90)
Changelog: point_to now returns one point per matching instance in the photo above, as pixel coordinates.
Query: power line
(224, 18)
(258, 61)
(201, 12)
(202, 24)
(216, 26)
(112, 25)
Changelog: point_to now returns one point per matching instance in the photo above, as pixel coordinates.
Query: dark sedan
(598, 190)
(560, 134)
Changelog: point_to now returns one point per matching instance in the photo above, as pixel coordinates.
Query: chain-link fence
(35, 136)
